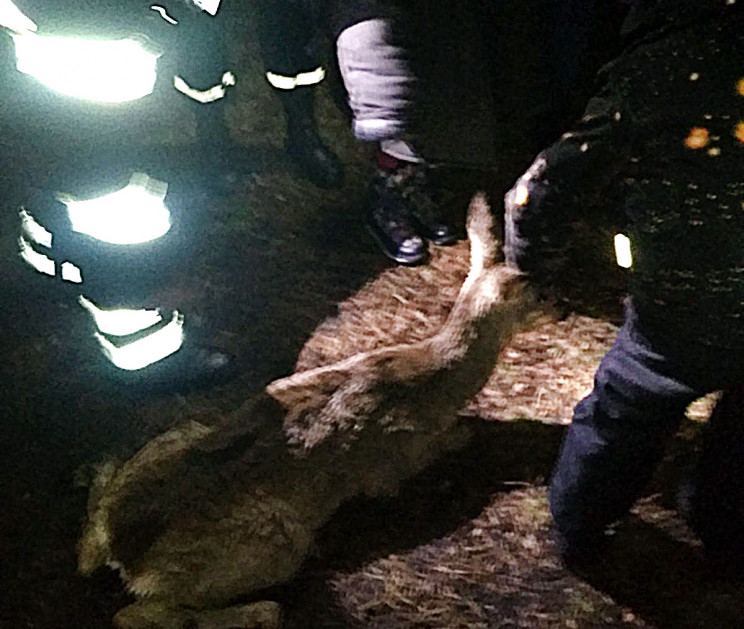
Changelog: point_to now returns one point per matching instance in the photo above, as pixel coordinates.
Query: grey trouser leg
(376, 69)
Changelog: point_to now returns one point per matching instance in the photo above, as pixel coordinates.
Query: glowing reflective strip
(210, 6)
(71, 273)
(39, 261)
(401, 149)
(133, 215)
(105, 71)
(148, 350)
(622, 251)
(206, 96)
(522, 195)
(13, 18)
(36, 232)
(120, 321)
(290, 82)
(164, 14)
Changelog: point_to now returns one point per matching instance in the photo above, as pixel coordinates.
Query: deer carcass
(202, 518)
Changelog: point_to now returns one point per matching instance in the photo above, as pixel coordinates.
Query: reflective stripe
(622, 251)
(106, 71)
(401, 149)
(35, 231)
(206, 96)
(209, 6)
(135, 214)
(12, 17)
(522, 195)
(290, 82)
(42, 263)
(147, 350)
(164, 14)
(71, 273)
(120, 321)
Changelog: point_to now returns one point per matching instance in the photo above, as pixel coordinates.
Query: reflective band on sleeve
(163, 12)
(206, 96)
(71, 273)
(522, 195)
(39, 261)
(208, 6)
(147, 350)
(114, 71)
(135, 214)
(622, 251)
(12, 17)
(120, 321)
(33, 230)
(290, 82)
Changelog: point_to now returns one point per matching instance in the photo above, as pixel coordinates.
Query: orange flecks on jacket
(698, 138)
(739, 131)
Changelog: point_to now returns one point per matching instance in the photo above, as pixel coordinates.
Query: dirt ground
(283, 275)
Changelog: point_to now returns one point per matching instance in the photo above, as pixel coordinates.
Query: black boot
(404, 208)
(315, 160)
(425, 198)
(390, 223)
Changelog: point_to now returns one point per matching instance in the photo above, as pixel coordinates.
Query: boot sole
(406, 260)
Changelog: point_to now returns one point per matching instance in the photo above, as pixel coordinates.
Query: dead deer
(204, 517)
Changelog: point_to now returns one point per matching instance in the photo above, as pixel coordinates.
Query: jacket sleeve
(562, 183)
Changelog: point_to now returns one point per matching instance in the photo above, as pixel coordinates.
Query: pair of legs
(619, 430)
(375, 67)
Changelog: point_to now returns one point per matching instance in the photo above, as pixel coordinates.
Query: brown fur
(202, 517)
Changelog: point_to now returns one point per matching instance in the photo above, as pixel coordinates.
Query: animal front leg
(156, 615)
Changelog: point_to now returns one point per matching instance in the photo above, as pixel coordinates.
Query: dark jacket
(667, 126)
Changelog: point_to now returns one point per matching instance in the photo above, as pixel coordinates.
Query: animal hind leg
(156, 615)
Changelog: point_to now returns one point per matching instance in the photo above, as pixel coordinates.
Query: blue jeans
(618, 433)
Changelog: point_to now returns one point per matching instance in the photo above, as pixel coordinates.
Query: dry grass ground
(283, 275)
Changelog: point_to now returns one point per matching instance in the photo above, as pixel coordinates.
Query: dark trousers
(715, 493)
(291, 32)
(618, 433)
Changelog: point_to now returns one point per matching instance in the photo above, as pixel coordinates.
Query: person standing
(666, 127)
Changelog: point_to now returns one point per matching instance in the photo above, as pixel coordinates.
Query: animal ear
(481, 228)
(308, 388)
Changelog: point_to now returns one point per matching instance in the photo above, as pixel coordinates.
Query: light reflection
(622, 251)
(120, 321)
(43, 264)
(135, 214)
(105, 71)
(148, 350)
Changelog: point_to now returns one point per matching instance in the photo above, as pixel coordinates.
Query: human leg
(108, 257)
(616, 438)
(404, 207)
(204, 77)
(289, 37)
(716, 500)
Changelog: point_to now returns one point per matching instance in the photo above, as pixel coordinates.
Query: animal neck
(478, 326)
